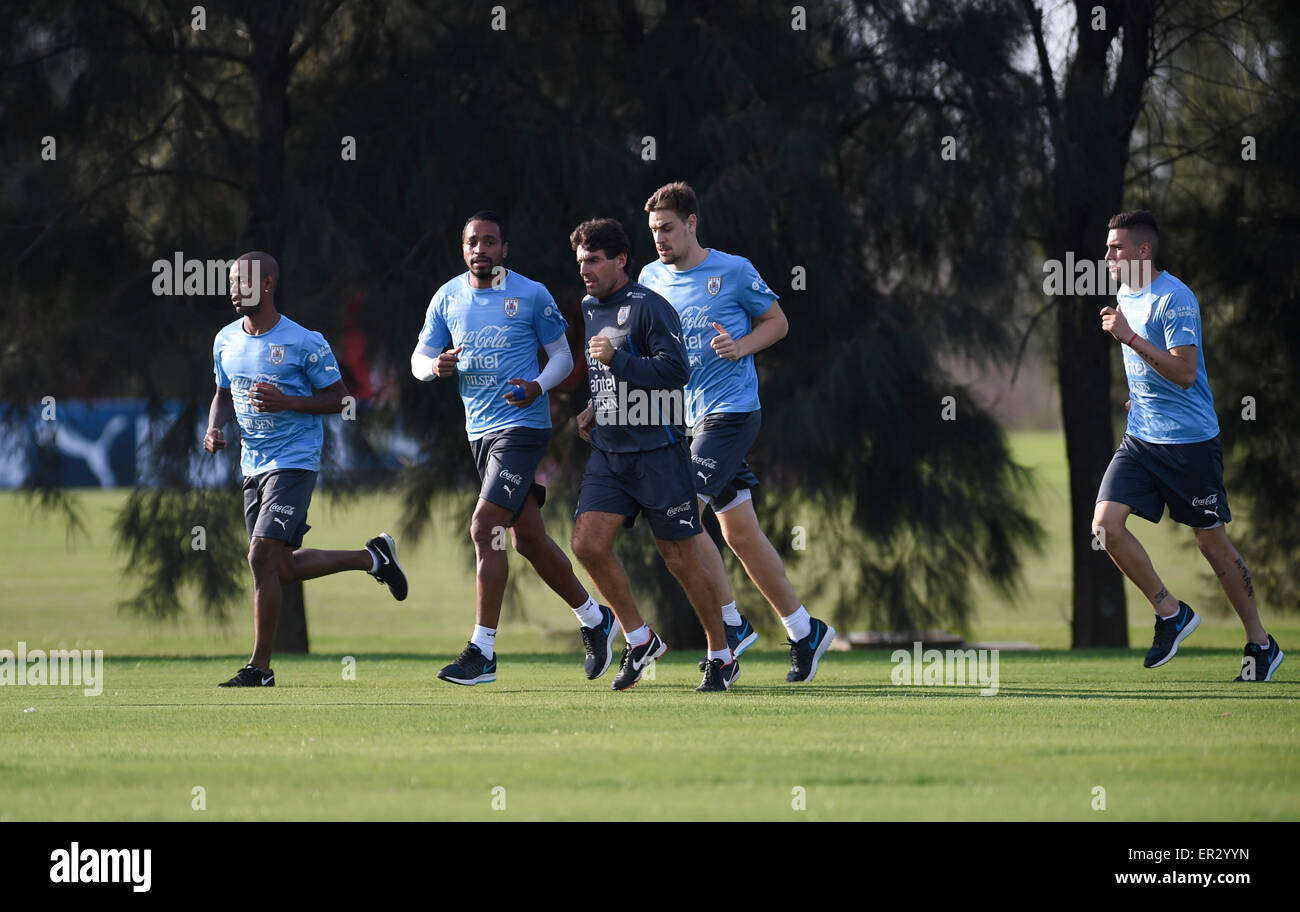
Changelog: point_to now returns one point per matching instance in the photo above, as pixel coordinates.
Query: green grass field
(1176, 743)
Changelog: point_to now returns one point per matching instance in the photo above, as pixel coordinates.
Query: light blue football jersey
(296, 360)
(726, 290)
(1166, 314)
(500, 330)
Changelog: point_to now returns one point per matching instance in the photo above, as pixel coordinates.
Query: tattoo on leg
(1160, 596)
(1245, 575)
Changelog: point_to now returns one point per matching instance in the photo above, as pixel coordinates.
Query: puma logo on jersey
(705, 477)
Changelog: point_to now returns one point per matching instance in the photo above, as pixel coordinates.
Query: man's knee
(586, 546)
(487, 532)
(265, 558)
(528, 543)
(1110, 517)
(679, 555)
(1214, 544)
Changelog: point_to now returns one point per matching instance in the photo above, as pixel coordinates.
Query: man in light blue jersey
(277, 379)
(497, 319)
(728, 313)
(1170, 454)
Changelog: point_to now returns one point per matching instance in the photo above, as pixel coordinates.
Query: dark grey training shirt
(639, 396)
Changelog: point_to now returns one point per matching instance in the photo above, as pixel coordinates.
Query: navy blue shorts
(655, 482)
(1188, 477)
(275, 504)
(507, 461)
(719, 444)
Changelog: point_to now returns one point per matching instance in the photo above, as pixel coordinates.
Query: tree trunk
(291, 634)
(271, 31)
(1090, 133)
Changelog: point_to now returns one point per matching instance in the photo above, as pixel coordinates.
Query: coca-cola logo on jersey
(487, 337)
(696, 318)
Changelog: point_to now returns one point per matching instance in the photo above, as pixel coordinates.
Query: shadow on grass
(764, 678)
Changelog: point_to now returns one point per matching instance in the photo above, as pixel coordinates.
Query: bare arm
(219, 413)
(769, 328)
(1178, 365)
(328, 401)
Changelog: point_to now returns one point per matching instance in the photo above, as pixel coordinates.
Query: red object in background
(352, 354)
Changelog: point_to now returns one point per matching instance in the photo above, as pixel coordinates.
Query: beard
(248, 310)
(484, 270)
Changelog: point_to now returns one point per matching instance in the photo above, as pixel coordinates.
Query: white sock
(730, 616)
(588, 613)
(638, 637)
(798, 625)
(374, 560)
(485, 639)
(724, 654)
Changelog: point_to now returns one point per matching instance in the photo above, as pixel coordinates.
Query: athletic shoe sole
(1182, 635)
(465, 682)
(1268, 676)
(663, 648)
(392, 550)
(1274, 666)
(745, 643)
(818, 653)
(609, 649)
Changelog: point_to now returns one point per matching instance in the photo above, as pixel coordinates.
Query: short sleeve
(223, 381)
(1181, 320)
(547, 320)
(435, 333)
(319, 363)
(754, 295)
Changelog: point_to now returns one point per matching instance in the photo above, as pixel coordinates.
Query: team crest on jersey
(714, 285)
(512, 307)
(277, 354)
(623, 312)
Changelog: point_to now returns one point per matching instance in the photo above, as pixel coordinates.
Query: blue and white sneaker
(1170, 632)
(599, 643)
(806, 653)
(470, 668)
(1259, 662)
(741, 636)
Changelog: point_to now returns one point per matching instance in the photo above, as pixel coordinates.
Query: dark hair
(677, 196)
(485, 215)
(604, 234)
(1142, 223)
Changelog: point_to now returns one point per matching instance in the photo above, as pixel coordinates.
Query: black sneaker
(251, 676)
(1259, 662)
(741, 636)
(636, 659)
(471, 668)
(389, 571)
(718, 676)
(599, 643)
(1169, 633)
(806, 653)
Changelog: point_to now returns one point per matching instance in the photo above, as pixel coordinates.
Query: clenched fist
(600, 349)
(445, 366)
